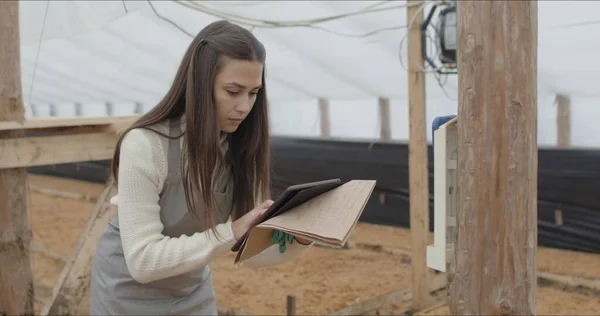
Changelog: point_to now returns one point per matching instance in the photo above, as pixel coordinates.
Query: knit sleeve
(150, 255)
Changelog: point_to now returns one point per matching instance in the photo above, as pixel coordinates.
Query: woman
(208, 134)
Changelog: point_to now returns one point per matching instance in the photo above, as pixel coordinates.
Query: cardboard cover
(324, 213)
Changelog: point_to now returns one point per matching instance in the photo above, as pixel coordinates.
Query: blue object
(437, 122)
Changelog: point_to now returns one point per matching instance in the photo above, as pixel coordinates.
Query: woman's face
(235, 90)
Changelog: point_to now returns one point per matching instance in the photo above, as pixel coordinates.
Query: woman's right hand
(244, 223)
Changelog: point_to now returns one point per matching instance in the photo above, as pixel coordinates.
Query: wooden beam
(50, 150)
(60, 122)
(324, 117)
(63, 194)
(570, 281)
(418, 176)
(16, 273)
(393, 297)
(75, 277)
(37, 247)
(385, 120)
(563, 121)
(497, 134)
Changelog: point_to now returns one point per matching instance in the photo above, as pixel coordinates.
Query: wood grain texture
(418, 175)
(497, 128)
(16, 276)
(51, 150)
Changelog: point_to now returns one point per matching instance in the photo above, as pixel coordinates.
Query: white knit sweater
(149, 254)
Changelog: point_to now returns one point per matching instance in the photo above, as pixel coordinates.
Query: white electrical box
(445, 145)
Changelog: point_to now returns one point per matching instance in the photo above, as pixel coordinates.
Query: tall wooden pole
(16, 277)
(418, 175)
(497, 148)
(563, 121)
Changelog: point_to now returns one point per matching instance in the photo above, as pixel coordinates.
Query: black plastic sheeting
(568, 181)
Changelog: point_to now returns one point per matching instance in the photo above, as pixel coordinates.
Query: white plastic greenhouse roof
(122, 52)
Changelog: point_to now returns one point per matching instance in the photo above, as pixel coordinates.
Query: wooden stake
(417, 160)
(385, 124)
(291, 305)
(497, 134)
(16, 276)
(563, 121)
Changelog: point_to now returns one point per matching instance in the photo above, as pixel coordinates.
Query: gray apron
(114, 291)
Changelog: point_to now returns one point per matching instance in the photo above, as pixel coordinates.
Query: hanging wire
(310, 23)
(37, 55)
(168, 20)
(279, 24)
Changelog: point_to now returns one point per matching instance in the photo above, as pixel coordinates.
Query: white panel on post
(444, 169)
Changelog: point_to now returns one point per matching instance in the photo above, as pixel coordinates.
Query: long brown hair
(192, 93)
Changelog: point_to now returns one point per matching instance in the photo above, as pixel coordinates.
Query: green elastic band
(281, 238)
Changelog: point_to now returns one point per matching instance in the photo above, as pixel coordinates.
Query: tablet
(292, 196)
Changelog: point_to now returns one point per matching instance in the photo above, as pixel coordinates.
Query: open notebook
(324, 212)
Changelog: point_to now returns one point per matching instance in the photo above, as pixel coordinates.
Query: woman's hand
(302, 241)
(244, 223)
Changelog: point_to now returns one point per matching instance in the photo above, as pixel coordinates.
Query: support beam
(497, 134)
(75, 277)
(385, 120)
(563, 121)
(50, 150)
(58, 123)
(418, 175)
(16, 276)
(394, 297)
(324, 117)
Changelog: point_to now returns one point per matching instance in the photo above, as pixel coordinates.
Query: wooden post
(53, 110)
(139, 108)
(109, 109)
(291, 305)
(16, 276)
(78, 109)
(385, 125)
(34, 110)
(324, 117)
(563, 121)
(417, 161)
(497, 135)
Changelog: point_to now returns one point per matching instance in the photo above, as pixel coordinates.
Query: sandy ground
(322, 281)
